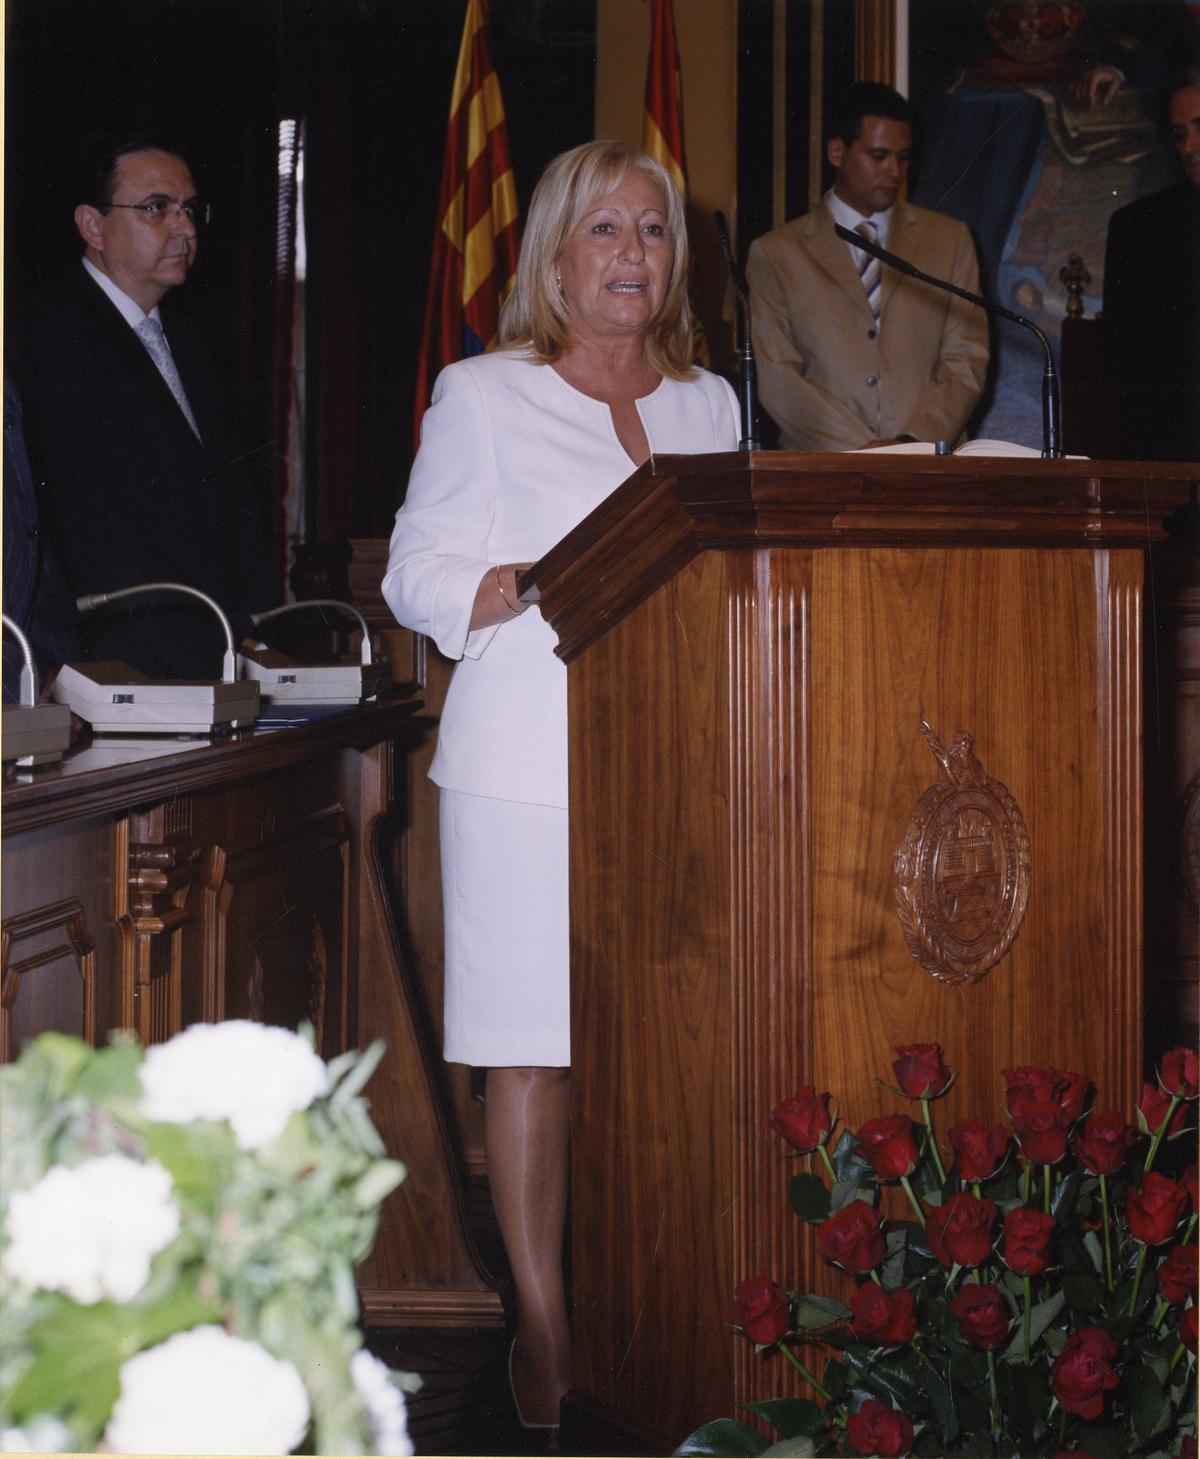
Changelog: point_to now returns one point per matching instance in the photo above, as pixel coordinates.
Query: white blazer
(511, 458)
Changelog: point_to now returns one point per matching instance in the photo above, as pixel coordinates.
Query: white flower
(250, 1074)
(204, 1392)
(42, 1435)
(385, 1404)
(91, 1230)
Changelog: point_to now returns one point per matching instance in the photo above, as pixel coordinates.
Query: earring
(558, 283)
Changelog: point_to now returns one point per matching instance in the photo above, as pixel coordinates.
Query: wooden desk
(153, 884)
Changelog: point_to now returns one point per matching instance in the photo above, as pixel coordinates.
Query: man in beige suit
(850, 352)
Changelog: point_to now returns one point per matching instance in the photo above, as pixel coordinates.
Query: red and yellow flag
(662, 124)
(475, 245)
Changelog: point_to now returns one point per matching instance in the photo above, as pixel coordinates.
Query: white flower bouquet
(179, 1229)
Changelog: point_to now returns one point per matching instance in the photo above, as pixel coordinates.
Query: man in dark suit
(1152, 298)
(129, 437)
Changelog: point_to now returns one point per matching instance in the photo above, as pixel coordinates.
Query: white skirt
(504, 885)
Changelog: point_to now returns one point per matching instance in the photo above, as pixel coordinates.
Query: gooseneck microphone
(1051, 401)
(747, 373)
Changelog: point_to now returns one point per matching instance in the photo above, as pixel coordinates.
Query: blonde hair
(534, 316)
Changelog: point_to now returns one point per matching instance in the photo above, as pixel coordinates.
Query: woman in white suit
(593, 374)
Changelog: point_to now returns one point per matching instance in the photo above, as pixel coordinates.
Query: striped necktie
(150, 332)
(870, 270)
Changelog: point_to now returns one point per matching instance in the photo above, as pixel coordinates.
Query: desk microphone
(1051, 401)
(747, 373)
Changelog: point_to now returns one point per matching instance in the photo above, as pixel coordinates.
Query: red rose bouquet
(1041, 1301)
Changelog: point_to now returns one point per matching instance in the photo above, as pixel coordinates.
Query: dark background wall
(371, 79)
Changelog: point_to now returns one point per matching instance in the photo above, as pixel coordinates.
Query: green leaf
(886, 1378)
(1064, 1196)
(800, 1445)
(848, 1161)
(111, 1074)
(790, 1417)
(1091, 1244)
(942, 1399)
(1147, 1400)
(833, 1379)
(1044, 1314)
(380, 1180)
(723, 1436)
(349, 1086)
(77, 1355)
(1103, 1441)
(1083, 1292)
(812, 1311)
(1025, 1395)
(199, 1157)
(809, 1197)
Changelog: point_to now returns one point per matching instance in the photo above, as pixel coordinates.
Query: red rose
(983, 1315)
(878, 1429)
(1026, 1248)
(761, 1308)
(1102, 1143)
(1072, 1092)
(1041, 1127)
(1187, 1327)
(1029, 1083)
(1179, 1072)
(979, 1150)
(884, 1317)
(1153, 1106)
(920, 1072)
(852, 1238)
(1189, 1181)
(803, 1120)
(1083, 1371)
(888, 1146)
(1178, 1277)
(961, 1230)
(1187, 1449)
(1154, 1209)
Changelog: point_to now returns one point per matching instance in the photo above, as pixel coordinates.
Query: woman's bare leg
(525, 1137)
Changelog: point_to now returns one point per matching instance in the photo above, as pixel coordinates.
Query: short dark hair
(98, 155)
(865, 99)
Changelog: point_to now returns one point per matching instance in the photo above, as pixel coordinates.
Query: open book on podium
(855, 761)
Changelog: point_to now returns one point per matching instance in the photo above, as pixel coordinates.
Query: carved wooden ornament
(962, 869)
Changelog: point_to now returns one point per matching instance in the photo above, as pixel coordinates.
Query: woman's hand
(496, 598)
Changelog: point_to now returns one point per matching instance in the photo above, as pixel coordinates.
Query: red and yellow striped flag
(475, 245)
(662, 124)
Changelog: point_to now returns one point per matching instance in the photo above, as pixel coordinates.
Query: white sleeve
(439, 549)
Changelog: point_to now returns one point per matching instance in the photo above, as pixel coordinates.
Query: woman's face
(616, 265)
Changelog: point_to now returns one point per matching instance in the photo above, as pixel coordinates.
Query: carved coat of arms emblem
(962, 869)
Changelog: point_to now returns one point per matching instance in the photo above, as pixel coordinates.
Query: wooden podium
(786, 859)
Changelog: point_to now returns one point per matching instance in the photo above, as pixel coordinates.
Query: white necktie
(870, 270)
(150, 332)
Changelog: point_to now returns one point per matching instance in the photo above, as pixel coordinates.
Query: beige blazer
(829, 379)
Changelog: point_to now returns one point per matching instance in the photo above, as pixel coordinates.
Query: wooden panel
(651, 1007)
(60, 962)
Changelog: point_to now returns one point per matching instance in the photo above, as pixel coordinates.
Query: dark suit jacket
(127, 492)
(35, 596)
(1152, 322)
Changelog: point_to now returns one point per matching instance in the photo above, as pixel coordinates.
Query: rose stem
(1027, 1316)
(1108, 1276)
(930, 1141)
(916, 1205)
(1160, 1132)
(1137, 1280)
(828, 1163)
(1046, 1189)
(805, 1374)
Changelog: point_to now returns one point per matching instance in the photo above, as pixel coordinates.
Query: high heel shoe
(550, 1430)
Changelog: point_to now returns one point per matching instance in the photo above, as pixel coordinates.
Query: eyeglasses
(158, 210)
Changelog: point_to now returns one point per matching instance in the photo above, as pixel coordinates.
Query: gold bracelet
(516, 612)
